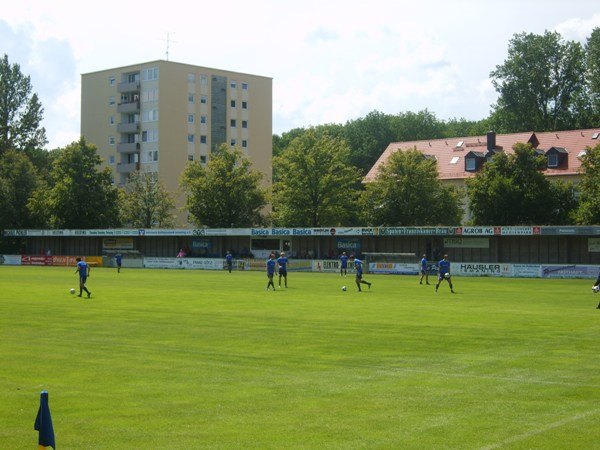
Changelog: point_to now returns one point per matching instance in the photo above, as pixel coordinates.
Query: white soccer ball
(72, 291)
(343, 288)
(595, 289)
(446, 275)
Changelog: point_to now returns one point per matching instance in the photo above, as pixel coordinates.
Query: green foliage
(592, 50)
(80, 196)
(316, 185)
(20, 111)
(588, 210)
(407, 192)
(540, 84)
(146, 203)
(226, 193)
(18, 180)
(513, 190)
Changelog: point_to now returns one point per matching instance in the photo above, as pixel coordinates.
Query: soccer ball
(72, 291)
(447, 276)
(343, 288)
(595, 289)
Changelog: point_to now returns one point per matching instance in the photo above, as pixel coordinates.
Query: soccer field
(199, 359)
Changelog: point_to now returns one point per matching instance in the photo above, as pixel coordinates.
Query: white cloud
(579, 28)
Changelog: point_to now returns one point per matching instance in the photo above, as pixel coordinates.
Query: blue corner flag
(43, 423)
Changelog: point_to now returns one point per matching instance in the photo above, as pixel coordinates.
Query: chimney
(491, 140)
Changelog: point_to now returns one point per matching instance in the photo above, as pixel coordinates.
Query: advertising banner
(594, 245)
(32, 260)
(351, 245)
(569, 271)
(184, 263)
(480, 269)
(462, 242)
(121, 243)
(394, 268)
(329, 265)
(10, 260)
(526, 270)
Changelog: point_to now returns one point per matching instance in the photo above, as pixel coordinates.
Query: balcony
(130, 107)
(128, 87)
(127, 168)
(128, 127)
(128, 147)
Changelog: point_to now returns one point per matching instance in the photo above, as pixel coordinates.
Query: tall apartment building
(157, 116)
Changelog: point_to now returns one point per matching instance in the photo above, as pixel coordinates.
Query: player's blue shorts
(82, 279)
(441, 276)
(283, 272)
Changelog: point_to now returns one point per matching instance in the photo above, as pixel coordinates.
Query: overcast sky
(330, 60)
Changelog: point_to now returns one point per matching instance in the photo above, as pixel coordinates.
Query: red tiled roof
(444, 150)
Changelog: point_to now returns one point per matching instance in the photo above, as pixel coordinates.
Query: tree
(145, 202)
(592, 50)
(408, 192)
(226, 193)
(18, 180)
(512, 190)
(316, 185)
(20, 111)
(80, 196)
(539, 85)
(588, 210)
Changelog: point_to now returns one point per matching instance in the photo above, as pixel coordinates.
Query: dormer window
(556, 157)
(473, 161)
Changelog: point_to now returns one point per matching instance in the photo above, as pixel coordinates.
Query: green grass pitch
(177, 359)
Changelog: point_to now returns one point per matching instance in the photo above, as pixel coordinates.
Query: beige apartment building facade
(157, 116)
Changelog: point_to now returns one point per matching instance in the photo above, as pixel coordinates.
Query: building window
(112, 81)
(111, 140)
(203, 99)
(552, 160)
(111, 120)
(111, 100)
(203, 159)
(233, 142)
(150, 135)
(233, 84)
(244, 143)
(150, 95)
(190, 157)
(233, 103)
(244, 86)
(244, 105)
(202, 119)
(203, 80)
(203, 139)
(191, 78)
(191, 138)
(150, 115)
(150, 74)
(190, 118)
(471, 164)
(233, 123)
(244, 124)
(191, 98)
(111, 160)
(454, 159)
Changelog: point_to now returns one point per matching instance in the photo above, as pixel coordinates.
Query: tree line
(545, 84)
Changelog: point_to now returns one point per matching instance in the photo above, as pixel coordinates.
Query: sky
(331, 61)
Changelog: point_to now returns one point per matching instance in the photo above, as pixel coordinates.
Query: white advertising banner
(184, 263)
(526, 270)
(594, 244)
(394, 268)
(329, 265)
(10, 260)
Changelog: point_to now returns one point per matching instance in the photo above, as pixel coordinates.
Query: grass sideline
(200, 359)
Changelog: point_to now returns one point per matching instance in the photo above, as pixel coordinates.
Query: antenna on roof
(169, 41)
